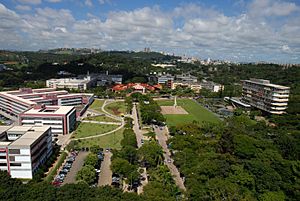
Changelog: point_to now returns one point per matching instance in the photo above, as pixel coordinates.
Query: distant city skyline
(235, 30)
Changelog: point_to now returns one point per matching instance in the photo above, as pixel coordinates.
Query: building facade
(34, 106)
(73, 83)
(24, 155)
(265, 96)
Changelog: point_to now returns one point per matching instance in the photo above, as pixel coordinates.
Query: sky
(235, 30)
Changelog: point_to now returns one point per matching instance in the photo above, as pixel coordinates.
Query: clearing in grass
(91, 129)
(116, 108)
(195, 112)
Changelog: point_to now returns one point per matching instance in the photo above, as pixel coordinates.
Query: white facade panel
(25, 151)
(22, 159)
(24, 174)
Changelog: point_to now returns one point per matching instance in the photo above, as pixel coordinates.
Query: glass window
(14, 151)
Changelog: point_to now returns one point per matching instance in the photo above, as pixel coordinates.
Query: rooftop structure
(212, 86)
(141, 87)
(108, 79)
(261, 94)
(23, 149)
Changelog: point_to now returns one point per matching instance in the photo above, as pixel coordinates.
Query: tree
(91, 160)
(87, 174)
(151, 153)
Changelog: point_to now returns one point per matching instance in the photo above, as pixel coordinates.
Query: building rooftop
(266, 83)
(4, 128)
(49, 110)
(31, 134)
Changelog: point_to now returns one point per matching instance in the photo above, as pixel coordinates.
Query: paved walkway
(105, 176)
(101, 122)
(77, 165)
(162, 139)
(136, 129)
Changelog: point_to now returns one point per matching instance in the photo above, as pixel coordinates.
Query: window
(12, 158)
(2, 157)
(14, 151)
(3, 164)
(15, 164)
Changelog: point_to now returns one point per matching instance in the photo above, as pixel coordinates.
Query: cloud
(187, 29)
(23, 8)
(101, 2)
(272, 8)
(35, 2)
(88, 3)
(54, 1)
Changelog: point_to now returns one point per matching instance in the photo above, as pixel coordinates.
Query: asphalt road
(77, 165)
(162, 138)
(105, 176)
(137, 131)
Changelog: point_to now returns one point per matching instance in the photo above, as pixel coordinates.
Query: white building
(265, 96)
(62, 119)
(29, 149)
(214, 87)
(72, 83)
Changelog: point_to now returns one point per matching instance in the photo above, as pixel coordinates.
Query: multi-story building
(214, 87)
(73, 83)
(196, 87)
(265, 96)
(62, 119)
(31, 102)
(108, 79)
(186, 78)
(23, 149)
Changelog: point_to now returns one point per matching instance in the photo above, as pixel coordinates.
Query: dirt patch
(173, 110)
(115, 110)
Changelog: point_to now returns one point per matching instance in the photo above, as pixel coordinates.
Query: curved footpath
(113, 123)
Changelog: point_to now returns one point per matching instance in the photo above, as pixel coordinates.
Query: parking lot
(77, 165)
(72, 164)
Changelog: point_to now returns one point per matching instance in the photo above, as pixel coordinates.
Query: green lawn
(112, 141)
(96, 105)
(196, 112)
(101, 118)
(90, 129)
(116, 108)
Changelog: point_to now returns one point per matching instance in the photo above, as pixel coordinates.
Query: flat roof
(4, 128)
(260, 82)
(50, 110)
(30, 136)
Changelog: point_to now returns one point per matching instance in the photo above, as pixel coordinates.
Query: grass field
(90, 129)
(112, 141)
(101, 118)
(196, 112)
(96, 105)
(116, 108)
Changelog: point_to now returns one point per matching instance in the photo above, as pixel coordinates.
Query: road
(162, 139)
(136, 129)
(77, 165)
(105, 176)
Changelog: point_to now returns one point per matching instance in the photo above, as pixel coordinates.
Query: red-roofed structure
(140, 87)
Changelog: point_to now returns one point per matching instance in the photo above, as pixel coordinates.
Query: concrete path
(77, 165)
(136, 129)
(101, 122)
(162, 139)
(105, 176)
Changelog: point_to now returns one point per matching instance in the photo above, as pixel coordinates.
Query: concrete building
(186, 78)
(214, 87)
(80, 83)
(23, 149)
(166, 80)
(109, 79)
(196, 87)
(265, 96)
(62, 119)
(37, 104)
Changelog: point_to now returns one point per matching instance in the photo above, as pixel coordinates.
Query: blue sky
(237, 30)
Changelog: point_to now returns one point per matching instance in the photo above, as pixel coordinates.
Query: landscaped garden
(108, 141)
(101, 118)
(96, 105)
(195, 112)
(116, 108)
(91, 129)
